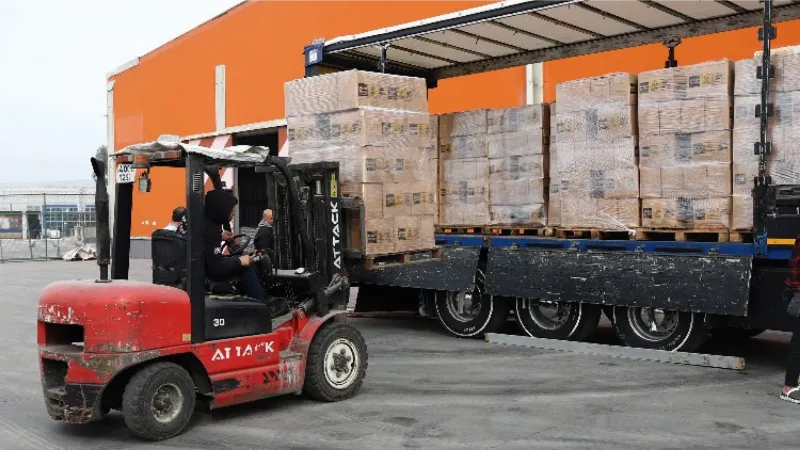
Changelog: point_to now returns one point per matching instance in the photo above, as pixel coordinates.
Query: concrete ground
(425, 389)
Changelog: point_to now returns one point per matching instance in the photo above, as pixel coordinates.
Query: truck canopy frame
(519, 32)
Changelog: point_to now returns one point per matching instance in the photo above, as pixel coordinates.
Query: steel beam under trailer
(644, 354)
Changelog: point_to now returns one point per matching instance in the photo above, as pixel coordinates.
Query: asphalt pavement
(426, 390)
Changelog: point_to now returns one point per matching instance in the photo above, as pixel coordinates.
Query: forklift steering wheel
(237, 250)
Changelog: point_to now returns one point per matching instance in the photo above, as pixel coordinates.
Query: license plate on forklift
(125, 173)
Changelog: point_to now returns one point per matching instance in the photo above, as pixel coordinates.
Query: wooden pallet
(370, 262)
(593, 233)
(741, 236)
(477, 230)
(680, 235)
(521, 230)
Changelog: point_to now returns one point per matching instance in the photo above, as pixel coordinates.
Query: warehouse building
(222, 82)
(53, 212)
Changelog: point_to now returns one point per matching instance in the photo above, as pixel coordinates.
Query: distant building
(54, 212)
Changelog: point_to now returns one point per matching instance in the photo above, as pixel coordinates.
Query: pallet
(593, 233)
(741, 236)
(370, 262)
(681, 235)
(476, 230)
(521, 230)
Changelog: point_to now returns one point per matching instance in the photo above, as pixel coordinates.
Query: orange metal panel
(261, 44)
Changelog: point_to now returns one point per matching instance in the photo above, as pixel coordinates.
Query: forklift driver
(219, 210)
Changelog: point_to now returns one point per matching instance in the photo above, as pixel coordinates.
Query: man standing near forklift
(264, 240)
(219, 211)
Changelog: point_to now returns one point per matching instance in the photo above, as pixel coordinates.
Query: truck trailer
(658, 294)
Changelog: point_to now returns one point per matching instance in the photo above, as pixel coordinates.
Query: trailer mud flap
(454, 272)
(709, 284)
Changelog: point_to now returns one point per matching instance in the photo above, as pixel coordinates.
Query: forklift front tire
(158, 401)
(336, 363)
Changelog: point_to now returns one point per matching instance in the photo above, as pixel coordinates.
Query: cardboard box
(414, 233)
(464, 169)
(686, 181)
(370, 193)
(742, 216)
(423, 199)
(464, 214)
(518, 167)
(744, 178)
(380, 237)
(554, 206)
(606, 214)
(526, 191)
(463, 123)
(746, 81)
(529, 117)
(657, 150)
(615, 88)
(397, 200)
(467, 192)
(712, 213)
(662, 85)
(354, 89)
(534, 215)
(709, 79)
(574, 95)
(527, 142)
(412, 165)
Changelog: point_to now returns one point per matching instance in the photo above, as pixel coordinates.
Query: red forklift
(155, 351)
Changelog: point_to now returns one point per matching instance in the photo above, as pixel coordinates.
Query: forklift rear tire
(336, 363)
(470, 315)
(158, 401)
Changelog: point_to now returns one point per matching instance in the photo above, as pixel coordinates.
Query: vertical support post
(195, 268)
(384, 62)
(219, 97)
(763, 147)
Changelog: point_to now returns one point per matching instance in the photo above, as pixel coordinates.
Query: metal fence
(41, 226)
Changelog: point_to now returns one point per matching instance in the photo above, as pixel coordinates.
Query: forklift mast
(317, 185)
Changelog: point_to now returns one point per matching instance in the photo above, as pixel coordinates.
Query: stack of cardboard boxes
(464, 169)
(518, 165)
(783, 164)
(378, 129)
(594, 153)
(685, 146)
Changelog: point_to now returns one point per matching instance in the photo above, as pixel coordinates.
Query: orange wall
(261, 44)
(733, 45)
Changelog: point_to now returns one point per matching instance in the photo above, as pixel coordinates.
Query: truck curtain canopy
(519, 32)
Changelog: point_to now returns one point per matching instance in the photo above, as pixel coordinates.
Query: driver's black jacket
(219, 204)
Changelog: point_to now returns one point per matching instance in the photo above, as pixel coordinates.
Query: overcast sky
(54, 56)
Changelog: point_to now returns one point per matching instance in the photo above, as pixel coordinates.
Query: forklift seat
(169, 258)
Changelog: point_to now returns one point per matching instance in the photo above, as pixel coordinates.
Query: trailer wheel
(336, 364)
(557, 320)
(158, 401)
(471, 314)
(659, 329)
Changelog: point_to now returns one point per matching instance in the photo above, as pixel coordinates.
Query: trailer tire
(161, 385)
(489, 316)
(675, 330)
(554, 320)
